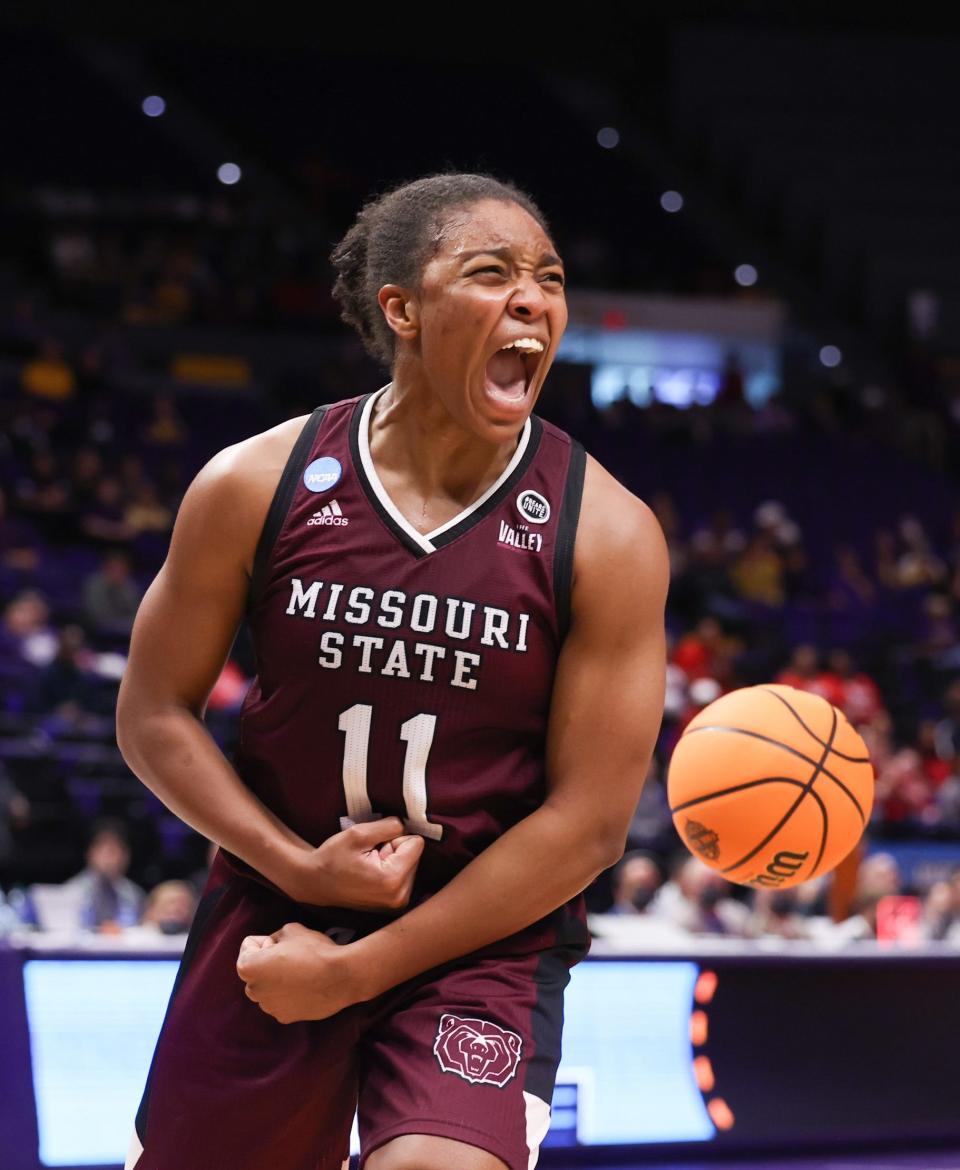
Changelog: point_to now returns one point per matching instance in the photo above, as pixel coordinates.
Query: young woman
(458, 622)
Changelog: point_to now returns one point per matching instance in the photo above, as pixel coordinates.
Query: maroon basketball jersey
(409, 675)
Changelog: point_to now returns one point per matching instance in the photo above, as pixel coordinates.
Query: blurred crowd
(649, 903)
(859, 606)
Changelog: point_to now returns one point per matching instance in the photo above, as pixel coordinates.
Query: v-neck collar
(391, 515)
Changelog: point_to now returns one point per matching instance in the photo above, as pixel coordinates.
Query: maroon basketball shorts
(467, 1051)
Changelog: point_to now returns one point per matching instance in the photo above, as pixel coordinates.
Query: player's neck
(413, 435)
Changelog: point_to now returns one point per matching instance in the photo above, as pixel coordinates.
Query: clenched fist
(297, 974)
(369, 866)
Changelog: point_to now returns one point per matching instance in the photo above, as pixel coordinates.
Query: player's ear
(401, 310)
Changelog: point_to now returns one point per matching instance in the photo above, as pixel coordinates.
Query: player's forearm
(542, 862)
(174, 755)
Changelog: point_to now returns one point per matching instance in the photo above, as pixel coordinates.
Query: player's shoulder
(618, 533)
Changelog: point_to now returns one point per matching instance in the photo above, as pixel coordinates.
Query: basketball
(770, 786)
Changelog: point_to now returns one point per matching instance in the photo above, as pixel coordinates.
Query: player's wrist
(367, 968)
(293, 873)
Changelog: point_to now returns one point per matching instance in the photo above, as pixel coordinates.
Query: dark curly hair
(395, 235)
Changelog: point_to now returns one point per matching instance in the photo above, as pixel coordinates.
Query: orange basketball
(770, 786)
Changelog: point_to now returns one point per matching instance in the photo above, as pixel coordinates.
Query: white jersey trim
(134, 1152)
(538, 1122)
(425, 542)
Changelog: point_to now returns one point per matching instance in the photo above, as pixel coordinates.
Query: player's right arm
(182, 635)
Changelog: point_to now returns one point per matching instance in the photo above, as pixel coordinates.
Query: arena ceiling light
(229, 173)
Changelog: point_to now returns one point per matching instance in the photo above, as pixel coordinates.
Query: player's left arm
(605, 714)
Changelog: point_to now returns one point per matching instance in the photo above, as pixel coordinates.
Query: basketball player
(458, 623)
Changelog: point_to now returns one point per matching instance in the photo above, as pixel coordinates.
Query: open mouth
(510, 370)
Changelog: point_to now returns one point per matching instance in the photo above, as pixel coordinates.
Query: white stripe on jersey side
(538, 1122)
(133, 1154)
(426, 542)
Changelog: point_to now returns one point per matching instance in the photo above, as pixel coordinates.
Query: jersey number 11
(417, 734)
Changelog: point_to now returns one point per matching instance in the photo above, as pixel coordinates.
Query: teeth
(527, 344)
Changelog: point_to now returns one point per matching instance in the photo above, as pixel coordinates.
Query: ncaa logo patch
(322, 474)
(533, 507)
(480, 1052)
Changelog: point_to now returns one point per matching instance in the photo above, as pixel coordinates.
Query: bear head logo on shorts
(477, 1050)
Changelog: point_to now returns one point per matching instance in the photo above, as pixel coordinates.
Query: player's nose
(528, 301)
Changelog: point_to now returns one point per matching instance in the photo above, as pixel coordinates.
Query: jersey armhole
(280, 504)
(567, 535)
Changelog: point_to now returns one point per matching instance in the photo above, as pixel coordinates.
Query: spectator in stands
(170, 908)
(698, 653)
(699, 901)
(757, 574)
(947, 730)
(849, 586)
(104, 519)
(862, 923)
(803, 672)
(935, 768)
(25, 632)
(146, 512)
(111, 595)
(65, 686)
(636, 880)
(109, 900)
(166, 428)
(49, 376)
(43, 495)
(722, 534)
(904, 794)
(948, 803)
(777, 912)
(85, 475)
(880, 875)
(701, 693)
(938, 641)
(855, 693)
(941, 913)
(918, 564)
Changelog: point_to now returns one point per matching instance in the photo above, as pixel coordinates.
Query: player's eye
(557, 276)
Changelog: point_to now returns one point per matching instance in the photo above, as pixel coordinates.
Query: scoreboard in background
(660, 1054)
(674, 350)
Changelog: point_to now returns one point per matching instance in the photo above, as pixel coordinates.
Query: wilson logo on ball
(783, 866)
(477, 1050)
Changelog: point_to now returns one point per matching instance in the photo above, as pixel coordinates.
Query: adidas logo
(329, 514)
